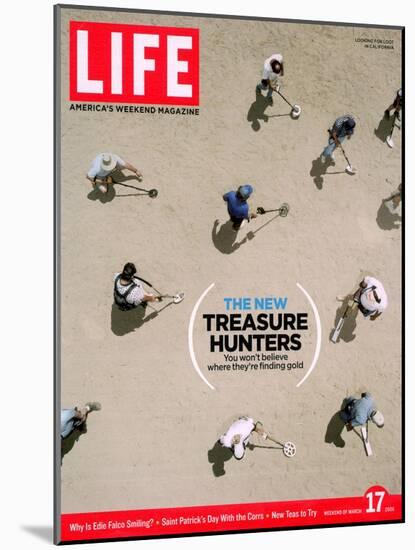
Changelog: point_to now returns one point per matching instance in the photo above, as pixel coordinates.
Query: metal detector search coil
(289, 449)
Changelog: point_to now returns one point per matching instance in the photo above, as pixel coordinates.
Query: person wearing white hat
(238, 434)
(358, 412)
(103, 166)
(272, 71)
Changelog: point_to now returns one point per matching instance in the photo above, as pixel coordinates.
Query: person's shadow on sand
(124, 322)
(386, 219)
(68, 443)
(256, 112)
(97, 195)
(119, 178)
(347, 332)
(318, 170)
(384, 128)
(217, 456)
(224, 238)
(335, 428)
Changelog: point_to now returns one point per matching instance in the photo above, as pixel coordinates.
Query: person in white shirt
(272, 71)
(103, 166)
(128, 290)
(371, 298)
(238, 434)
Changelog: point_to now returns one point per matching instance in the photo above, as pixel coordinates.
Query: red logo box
(120, 63)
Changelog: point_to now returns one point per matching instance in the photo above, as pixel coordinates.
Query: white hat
(377, 418)
(108, 162)
(239, 450)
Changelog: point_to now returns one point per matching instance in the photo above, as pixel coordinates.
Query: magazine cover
(229, 274)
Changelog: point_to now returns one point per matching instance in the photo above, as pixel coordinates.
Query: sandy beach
(153, 442)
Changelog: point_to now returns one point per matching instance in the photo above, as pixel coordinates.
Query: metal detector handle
(286, 100)
(344, 153)
(274, 440)
(143, 281)
(393, 124)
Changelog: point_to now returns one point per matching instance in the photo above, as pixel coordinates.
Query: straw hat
(108, 162)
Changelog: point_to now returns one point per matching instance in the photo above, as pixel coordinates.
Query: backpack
(121, 299)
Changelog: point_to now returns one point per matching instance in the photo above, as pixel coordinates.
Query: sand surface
(149, 445)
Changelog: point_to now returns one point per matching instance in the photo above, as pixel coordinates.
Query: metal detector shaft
(271, 438)
(286, 100)
(393, 125)
(338, 142)
(273, 210)
(147, 283)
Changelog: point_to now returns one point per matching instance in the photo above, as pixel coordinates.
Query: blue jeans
(329, 150)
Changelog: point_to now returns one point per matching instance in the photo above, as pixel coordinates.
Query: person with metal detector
(103, 166)
(342, 128)
(72, 419)
(128, 290)
(371, 298)
(397, 105)
(237, 436)
(272, 71)
(238, 208)
(357, 412)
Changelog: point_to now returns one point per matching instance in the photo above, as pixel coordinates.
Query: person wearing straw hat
(103, 166)
(128, 290)
(72, 419)
(342, 128)
(238, 208)
(357, 412)
(237, 436)
(272, 71)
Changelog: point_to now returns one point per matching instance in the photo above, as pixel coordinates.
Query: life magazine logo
(121, 63)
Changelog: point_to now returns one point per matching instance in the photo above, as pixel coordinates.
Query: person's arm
(150, 298)
(357, 294)
(375, 315)
(282, 69)
(132, 168)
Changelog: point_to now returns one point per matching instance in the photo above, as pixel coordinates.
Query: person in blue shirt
(343, 128)
(358, 412)
(238, 208)
(72, 419)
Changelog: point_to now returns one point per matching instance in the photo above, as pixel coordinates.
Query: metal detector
(364, 431)
(283, 210)
(177, 298)
(349, 168)
(295, 109)
(152, 193)
(288, 448)
(351, 304)
(389, 139)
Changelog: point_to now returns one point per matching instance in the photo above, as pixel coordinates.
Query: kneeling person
(238, 434)
(371, 297)
(358, 412)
